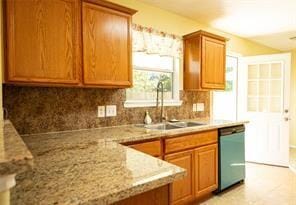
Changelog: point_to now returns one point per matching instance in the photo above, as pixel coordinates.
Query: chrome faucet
(160, 89)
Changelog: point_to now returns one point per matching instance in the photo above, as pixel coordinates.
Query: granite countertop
(15, 157)
(83, 167)
(92, 167)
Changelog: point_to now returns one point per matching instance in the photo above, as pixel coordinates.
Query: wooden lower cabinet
(206, 169)
(197, 153)
(152, 148)
(190, 141)
(182, 191)
(159, 196)
(202, 174)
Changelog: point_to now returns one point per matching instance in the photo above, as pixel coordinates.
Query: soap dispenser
(147, 119)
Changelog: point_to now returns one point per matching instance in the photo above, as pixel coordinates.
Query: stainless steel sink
(188, 124)
(171, 126)
(162, 126)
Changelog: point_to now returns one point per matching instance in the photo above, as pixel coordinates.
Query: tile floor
(264, 185)
(293, 158)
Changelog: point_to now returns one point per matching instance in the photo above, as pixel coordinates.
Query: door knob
(287, 118)
(286, 110)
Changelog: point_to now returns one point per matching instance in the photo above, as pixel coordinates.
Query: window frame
(175, 101)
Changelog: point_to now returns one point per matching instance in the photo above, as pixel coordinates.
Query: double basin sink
(174, 125)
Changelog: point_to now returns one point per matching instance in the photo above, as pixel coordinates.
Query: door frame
(238, 56)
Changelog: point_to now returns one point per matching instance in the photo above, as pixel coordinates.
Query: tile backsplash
(42, 109)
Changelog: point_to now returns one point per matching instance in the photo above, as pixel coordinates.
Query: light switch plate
(194, 107)
(101, 111)
(111, 110)
(200, 107)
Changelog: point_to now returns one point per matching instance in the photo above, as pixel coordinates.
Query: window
(156, 57)
(149, 69)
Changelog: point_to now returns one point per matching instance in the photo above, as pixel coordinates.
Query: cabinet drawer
(152, 148)
(190, 141)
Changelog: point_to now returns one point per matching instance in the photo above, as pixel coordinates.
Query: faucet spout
(160, 89)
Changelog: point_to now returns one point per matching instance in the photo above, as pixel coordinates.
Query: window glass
(152, 61)
(148, 70)
(265, 87)
(145, 83)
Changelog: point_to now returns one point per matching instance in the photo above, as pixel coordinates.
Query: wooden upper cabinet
(206, 169)
(182, 191)
(44, 45)
(204, 61)
(213, 63)
(42, 41)
(106, 45)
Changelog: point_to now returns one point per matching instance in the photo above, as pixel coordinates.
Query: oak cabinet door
(213, 63)
(206, 169)
(43, 41)
(192, 63)
(106, 46)
(182, 191)
(152, 148)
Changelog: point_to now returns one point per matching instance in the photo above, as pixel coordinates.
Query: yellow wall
(169, 22)
(293, 100)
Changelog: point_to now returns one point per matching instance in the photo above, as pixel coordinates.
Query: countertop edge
(15, 157)
(139, 189)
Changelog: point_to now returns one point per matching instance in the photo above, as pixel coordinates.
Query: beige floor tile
(293, 158)
(264, 185)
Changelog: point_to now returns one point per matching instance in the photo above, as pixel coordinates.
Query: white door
(263, 99)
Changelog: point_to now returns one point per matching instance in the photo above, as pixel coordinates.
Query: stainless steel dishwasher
(231, 156)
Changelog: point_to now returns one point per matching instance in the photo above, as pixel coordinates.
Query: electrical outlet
(101, 111)
(194, 107)
(111, 110)
(200, 107)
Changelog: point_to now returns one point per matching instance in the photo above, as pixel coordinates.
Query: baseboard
(293, 169)
(292, 146)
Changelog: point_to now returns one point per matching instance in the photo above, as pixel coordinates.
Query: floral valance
(153, 41)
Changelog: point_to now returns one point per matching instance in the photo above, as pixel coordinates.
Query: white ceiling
(269, 22)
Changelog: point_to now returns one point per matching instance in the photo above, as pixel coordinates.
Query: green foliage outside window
(145, 85)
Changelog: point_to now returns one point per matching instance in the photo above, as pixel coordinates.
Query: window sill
(145, 103)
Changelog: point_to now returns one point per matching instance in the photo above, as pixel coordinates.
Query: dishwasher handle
(231, 130)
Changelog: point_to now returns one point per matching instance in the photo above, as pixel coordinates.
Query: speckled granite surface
(91, 167)
(42, 109)
(87, 169)
(14, 154)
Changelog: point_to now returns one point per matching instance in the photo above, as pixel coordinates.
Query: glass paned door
(265, 87)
